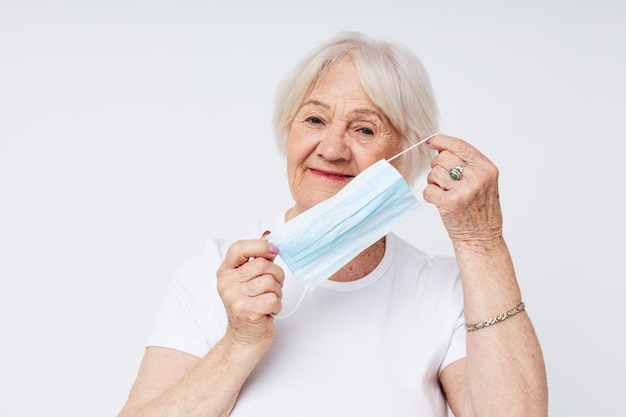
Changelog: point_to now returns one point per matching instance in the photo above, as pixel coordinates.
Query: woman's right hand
(250, 285)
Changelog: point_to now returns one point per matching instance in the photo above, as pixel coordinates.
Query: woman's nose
(334, 144)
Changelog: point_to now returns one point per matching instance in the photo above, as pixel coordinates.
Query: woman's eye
(363, 134)
(314, 120)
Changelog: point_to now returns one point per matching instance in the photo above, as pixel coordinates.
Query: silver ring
(456, 173)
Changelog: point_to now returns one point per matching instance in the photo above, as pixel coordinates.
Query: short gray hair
(392, 76)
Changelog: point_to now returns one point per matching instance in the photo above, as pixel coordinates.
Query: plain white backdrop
(131, 131)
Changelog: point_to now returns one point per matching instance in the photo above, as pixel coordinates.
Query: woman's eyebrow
(367, 112)
(360, 112)
(316, 103)
(327, 106)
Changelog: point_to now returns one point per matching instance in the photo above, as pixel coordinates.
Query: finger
(268, 303)
(449, 143)
(264, 284)
(457, 147)
(258, 267)
(251, 309)
(241, 251)
(434, 194)
(440, 177)
(446, 159)
(253, 299)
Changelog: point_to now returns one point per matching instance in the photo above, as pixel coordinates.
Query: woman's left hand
(469, 206)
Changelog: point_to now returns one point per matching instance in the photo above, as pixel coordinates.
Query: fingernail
(267, 232)
(428, 140)
(274, 249)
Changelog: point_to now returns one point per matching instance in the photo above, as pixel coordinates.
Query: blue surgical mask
(320, 241)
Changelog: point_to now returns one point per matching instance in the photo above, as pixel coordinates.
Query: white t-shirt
(371, 347)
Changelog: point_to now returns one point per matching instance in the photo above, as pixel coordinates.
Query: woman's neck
(363, 264)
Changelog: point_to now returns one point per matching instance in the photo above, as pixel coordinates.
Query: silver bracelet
(486, 323)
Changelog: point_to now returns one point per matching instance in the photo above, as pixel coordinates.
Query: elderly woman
(393, 332)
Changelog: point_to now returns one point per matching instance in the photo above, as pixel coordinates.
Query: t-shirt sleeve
(456, 349)
(191, 317)
(457, 341)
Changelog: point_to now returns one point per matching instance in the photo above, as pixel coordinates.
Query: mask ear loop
(411, 147)
(306, 290)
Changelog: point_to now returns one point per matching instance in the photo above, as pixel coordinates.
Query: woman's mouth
(331, 175)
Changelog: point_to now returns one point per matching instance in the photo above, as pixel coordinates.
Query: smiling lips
(330, 174)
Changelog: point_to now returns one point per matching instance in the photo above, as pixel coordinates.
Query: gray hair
(391, 75)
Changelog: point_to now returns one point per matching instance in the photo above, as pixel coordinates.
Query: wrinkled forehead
(340, 85)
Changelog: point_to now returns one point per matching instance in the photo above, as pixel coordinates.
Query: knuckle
(463, 147)
(264, 283)
(258, 265)
(239, 306)
(493, 171)
(236, 246)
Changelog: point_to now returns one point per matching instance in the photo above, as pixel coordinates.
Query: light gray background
(131, 131)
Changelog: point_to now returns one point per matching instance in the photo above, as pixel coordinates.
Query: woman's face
(336, 134)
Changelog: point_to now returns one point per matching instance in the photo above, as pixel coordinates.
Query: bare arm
(504, 372)
(171, 383)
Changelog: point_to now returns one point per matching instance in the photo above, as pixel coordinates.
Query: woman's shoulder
(439, 273)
